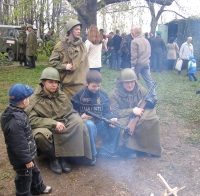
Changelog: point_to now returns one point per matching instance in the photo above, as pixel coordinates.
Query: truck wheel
(11, 55)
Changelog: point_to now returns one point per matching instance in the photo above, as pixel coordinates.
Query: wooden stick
(170, 191)
(162, 180)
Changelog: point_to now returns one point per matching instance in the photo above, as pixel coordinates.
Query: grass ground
(179, 111)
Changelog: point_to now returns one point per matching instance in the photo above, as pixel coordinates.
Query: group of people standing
(56, 122)
(27, 46)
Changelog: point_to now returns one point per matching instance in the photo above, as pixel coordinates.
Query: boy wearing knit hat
(20, 143)
(192, 66)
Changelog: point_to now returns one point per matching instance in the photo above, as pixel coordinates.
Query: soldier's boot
(30, 66)
(25, 63)
(54, 162)
(20, 62)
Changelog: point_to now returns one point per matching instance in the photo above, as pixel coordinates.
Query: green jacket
(146, 137)
(45, 111)
(31, 44)
(22, 42)
(74, 52)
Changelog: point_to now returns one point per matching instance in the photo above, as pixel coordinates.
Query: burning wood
(169, 191)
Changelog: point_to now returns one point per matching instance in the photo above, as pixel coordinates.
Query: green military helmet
(127, 75)
(72, 23)
(50, 73)
(23, 27)
(30, 26)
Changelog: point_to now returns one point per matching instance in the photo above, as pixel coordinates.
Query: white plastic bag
(178, 65)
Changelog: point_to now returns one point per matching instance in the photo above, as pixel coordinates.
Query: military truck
(9, 40)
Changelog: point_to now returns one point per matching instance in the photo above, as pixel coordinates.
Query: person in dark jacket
(125, 51)
(93, 99)
(20, 143)
(158, 48)
(22, 45)
(117, 39)
(110, 48)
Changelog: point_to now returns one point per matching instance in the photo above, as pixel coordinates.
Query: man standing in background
(186, 50)
(158, 48)
(117, 39)
(140, 54)
(125, 51)
(31, 47)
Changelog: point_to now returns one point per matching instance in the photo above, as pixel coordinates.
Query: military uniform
(31, 47)
(45, 111)
(22, 45)
(146, 137)
(74, 52)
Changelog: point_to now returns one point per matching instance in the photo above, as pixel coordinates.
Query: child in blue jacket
(192, 66)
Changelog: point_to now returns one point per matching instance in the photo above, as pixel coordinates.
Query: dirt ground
(179, 165)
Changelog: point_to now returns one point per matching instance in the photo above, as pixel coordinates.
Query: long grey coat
(45, 111)
(146, 137)
(31, 44)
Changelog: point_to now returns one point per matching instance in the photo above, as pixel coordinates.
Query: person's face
(75, 32)
(129, 86)
(94, 87)
(29, 29)
(50, 86)
(189, 40)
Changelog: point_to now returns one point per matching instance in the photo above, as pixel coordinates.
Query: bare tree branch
(103, 3)
(175, 13)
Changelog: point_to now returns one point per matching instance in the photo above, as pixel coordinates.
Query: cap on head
(158, 32)
(50, 73)
(72, 23)
(19, 92)
(127, 75)
(191, 57)
(30, 26)
(23, 27)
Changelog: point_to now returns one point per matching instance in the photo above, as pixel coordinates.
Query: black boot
(65, 166)
(54, 162)
(30, 66)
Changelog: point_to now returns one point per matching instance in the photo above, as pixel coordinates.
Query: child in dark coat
(20, 143)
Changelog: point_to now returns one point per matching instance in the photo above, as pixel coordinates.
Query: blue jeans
(29, 181)
(145, 72)
(192, 76)
(116, 60)
(110, 134)
(126, 63)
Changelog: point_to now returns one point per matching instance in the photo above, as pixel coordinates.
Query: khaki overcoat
(146, 137)
(46, 110)
(31, 44)
(74, 52)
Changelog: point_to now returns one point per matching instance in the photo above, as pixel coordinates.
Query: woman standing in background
(172, 50)
(94, 48)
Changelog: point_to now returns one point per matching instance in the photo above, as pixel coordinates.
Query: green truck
(9, 41)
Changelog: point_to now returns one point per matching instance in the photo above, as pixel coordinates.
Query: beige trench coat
(45, 111)
(74, 52)
(146, 137)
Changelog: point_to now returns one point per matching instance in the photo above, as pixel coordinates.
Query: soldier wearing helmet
(70, 58)
(22, 45)
(58, 130)
(124, 103)
(31, 47)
